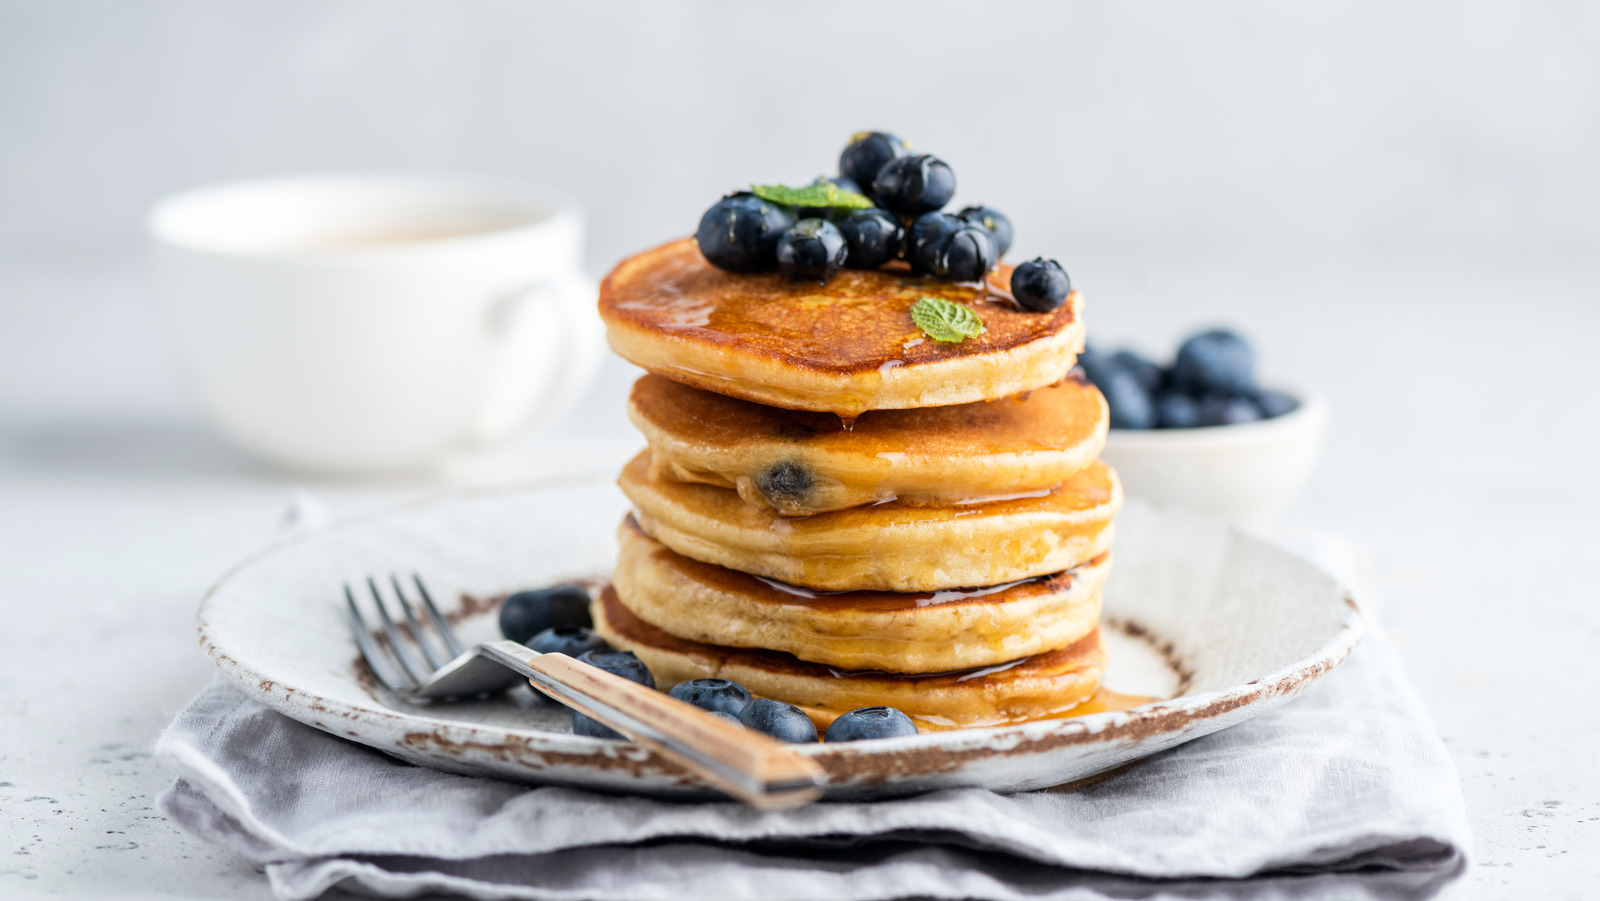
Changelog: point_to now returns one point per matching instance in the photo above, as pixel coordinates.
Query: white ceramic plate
(1229, 624)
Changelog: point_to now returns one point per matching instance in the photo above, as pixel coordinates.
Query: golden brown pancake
(886, 547)
(900, 632)
(845, 347)
(798, 463)
(1036, 687)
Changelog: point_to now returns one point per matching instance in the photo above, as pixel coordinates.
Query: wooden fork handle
(755, 768)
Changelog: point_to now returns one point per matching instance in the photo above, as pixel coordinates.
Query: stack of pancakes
(837, 511)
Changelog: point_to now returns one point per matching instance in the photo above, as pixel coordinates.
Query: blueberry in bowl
(870, 722)
(1212, 439)
(716, 695)
(811, 250)
(527, 613)
(740, 232)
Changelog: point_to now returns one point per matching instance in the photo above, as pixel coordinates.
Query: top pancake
(845, 347)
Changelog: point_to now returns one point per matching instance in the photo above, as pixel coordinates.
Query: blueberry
(727, 717)
(1130, 405)
(617, 663)
(840, 182)
(785, 722)
(1176, 411)
(913, 185)
(1224, 409)
(713, 694)
(1148, 373)
(995, 221)
(871, 722)
(1214, 362)
(527, 613)
(583, 725)
(813, 250)
(1097, 367)
(569, 640)
(787, 481)
(740, 232)
(943, 246)
(868, 152)
(872, 236)
(620, 663)
(1274, 403)
(1040, 285)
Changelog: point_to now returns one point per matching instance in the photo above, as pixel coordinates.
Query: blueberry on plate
(1148, 373)
(1176, 411)
(617, 663)
(913, 185)
(740, 232)
(1129, 402)
(867, 152)
(1040, 285)
(527, 613)
(943, 246)
(785, 722)
(569, 640)
(1223, 409)
(1273, 404)
(1214, 362)
(813, 250)
(873, 237)
(995, 221)
(721, 695)
(870, 722)
(620, 663)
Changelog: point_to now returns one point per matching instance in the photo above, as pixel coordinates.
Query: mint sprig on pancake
(820, 195)
(945, 321)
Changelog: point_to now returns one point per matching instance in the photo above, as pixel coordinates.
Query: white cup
(376, 323)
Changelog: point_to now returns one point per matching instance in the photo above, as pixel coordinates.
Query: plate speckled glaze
(1228, 624)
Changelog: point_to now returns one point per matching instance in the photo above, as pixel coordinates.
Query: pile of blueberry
(1210, 382)
(890, 208)
(556, 620)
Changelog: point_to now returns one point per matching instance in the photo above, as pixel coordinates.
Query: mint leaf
(823, 195)
(945, 321)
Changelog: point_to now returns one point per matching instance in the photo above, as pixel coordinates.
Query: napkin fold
(1345, 792)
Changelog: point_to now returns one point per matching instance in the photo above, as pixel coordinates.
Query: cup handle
(520, 321)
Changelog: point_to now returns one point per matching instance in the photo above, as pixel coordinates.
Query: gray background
(1400, 202)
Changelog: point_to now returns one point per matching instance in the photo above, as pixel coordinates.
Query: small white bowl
(1245, 473)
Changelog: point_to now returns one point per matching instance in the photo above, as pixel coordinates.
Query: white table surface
(1458, 495)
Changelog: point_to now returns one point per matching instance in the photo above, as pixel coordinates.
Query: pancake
(887, 547)
(1033, 688)
(845, 348)
(797, 463)
(900, 632)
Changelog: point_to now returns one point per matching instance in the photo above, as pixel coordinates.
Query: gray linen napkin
(1343, 793)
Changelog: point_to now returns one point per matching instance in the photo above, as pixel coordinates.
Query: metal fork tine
(435, 657)
(438, 620)
(377, 661)
(416, 669)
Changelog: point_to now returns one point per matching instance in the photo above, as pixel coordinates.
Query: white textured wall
(1234, 129)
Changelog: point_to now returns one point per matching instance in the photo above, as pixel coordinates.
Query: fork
(761, 771)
